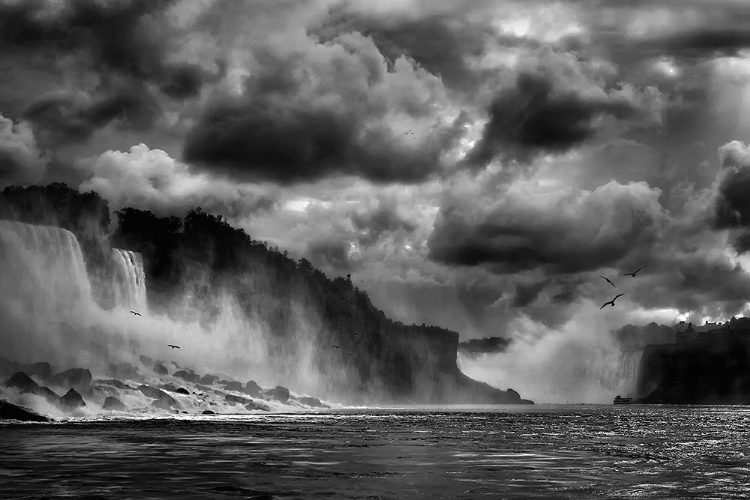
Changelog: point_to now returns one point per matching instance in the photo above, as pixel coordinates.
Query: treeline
(56, 205)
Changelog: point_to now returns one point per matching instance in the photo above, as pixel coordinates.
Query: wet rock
(252, 389)
(208, 379)
(24, 383)
(77, 378)
(237, 399)
(163, 400)
(72, 400)
(164, 404)
(309, 401)
(182, 390)
(14, 412)
(161, 369)
(278, 393)
(231, 385)
(41, 369)
(208, 412)
(112, 403)
(203, 388)
(252, 405)
(146, 361)
(114, 383)
(187, 376)
(8, 367)
(124, 371)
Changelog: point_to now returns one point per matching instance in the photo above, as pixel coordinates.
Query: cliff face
(701, 368)
(308, 320)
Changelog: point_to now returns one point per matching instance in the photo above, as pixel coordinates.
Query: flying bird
(136, 313)
(173, 346)
(634, 272)
(607, 280)
(335, 346)
(612, 302)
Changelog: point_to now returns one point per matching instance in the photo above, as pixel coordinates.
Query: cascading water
(43, 262)
(618, 371)
(130, 279)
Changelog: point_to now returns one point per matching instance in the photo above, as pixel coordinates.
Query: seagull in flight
(634, 272)
(136, 313)
(612, 302)
(173, 346)
(335, 346)
(607, 280)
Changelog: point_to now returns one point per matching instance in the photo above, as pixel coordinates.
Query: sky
(477, 165)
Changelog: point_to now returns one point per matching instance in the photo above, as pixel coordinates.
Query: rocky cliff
(700, 368)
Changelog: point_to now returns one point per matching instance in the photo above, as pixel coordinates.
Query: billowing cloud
(151, 179)
(556, 104)
(328, 108)
(21, 161)
(523, 227)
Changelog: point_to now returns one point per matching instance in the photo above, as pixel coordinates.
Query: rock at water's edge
(9, 411)
(278, 393)
(72, 400)
(112, 403)
(309, 401)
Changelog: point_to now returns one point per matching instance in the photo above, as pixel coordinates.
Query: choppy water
(498, 452)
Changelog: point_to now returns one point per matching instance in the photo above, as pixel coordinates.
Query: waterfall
(42, 269)
(129, 280)
(618, 371)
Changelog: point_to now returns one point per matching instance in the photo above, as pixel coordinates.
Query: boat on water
(623, 401)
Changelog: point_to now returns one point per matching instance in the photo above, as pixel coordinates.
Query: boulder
(252, 405)
(208, 379)
(7, 367)
(114, 404)
(237, 399)
(124, 371)
(278, 393)
(41, 369)
(187, 376)
(114, 383)
(208, 412)
(72, 400)
(182, 390)
(252, 389)
(77, 378)
(162, 399)
(231, 385)
(14, 412)
(161, 369)
(314, 402)
(24, 383)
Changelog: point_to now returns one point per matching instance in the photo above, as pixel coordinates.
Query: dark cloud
(21, 160)
(380, 221)
(126, 44)
(440, 44)
(558, 232)
(287, 130)
(330, 255)
(731, 201)
(74, 118)
(532, 118)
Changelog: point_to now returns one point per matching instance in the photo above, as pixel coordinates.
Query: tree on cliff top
(56, 205)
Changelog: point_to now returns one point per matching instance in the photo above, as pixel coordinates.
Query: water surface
(476, 452)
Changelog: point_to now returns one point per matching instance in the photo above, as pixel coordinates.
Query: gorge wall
(234, 306)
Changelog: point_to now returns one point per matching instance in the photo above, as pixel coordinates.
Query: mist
(50, 312)
(579, 362)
